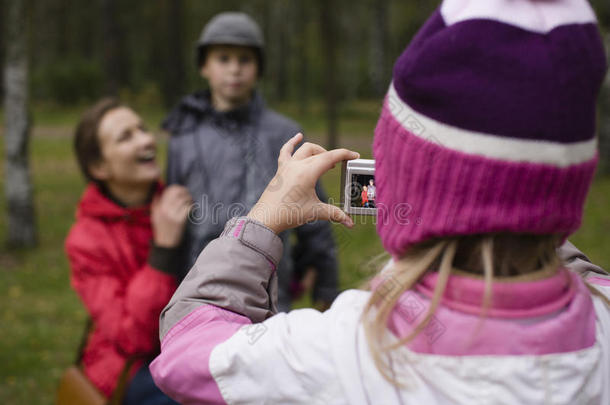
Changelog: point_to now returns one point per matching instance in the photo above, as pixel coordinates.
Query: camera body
(358, 189)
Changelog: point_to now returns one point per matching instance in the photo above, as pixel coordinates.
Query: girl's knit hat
(489, 123)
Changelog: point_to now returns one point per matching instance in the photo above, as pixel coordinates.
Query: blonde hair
(517, 256)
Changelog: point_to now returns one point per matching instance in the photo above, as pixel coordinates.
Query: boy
(224, 147)
(370, 193)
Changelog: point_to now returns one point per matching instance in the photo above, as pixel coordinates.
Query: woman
(123, 246)
(364, 197)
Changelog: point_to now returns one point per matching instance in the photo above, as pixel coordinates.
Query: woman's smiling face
(128, 150)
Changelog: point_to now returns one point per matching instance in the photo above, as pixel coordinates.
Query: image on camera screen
(363, 191)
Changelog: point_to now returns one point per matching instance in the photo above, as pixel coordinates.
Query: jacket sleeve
(126, 313)
(576, 261)
(219, 341)
(229, 276)
(316, 248)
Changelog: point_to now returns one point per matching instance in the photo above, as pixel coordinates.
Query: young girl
(487, 132)
(123, 283)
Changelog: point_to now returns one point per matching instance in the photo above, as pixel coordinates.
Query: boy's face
(231, 72)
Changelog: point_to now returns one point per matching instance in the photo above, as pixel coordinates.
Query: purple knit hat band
(489, 124)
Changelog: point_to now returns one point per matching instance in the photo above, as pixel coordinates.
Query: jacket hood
(95, 203)
(188, 113)
(571, 377)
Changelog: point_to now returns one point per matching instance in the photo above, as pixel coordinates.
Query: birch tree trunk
(18, 187)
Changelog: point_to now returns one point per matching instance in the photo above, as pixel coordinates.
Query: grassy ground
(40, 316)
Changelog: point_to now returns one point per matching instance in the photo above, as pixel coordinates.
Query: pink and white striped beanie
(489, 123)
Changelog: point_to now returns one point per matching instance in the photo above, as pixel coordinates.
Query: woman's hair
(86, 139)
(497, 255)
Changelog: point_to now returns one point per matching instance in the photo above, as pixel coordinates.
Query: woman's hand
(168, 215)
(290, 198)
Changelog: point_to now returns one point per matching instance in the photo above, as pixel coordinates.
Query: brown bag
(76, 389)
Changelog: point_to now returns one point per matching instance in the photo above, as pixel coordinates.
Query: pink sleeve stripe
(599, 281)
(182, 369)
(238, 228)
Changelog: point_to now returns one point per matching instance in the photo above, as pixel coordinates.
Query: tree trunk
(278, 43)
(111, 47)
(329, 42)
(2, 46)
(377, 53)
(18, 187)
(62, 9)
(302, 60)
(173, 86)
(351, 48)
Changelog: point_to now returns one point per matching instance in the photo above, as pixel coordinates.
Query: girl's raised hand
(290, 199)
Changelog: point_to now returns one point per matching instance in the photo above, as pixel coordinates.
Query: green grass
(593, 237)
(41, 318)
(357, 117)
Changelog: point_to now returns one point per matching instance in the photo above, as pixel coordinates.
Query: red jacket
(364, 197)
(108, 248)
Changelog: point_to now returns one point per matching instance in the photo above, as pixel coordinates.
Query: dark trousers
(143, 391)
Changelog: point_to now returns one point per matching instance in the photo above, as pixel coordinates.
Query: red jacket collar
(95, 203)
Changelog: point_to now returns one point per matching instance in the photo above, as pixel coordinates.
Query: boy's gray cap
(231, 28)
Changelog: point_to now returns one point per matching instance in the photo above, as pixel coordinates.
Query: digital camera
(358, 189)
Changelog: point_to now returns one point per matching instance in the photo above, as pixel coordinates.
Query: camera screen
(358, 188)
(363, 191)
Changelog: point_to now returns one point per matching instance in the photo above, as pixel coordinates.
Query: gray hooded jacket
(226, 159)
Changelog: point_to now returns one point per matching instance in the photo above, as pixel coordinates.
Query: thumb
(335, 214)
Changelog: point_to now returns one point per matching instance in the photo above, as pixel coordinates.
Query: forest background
(329, 63)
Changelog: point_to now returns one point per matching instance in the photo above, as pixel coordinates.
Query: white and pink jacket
(543, 342)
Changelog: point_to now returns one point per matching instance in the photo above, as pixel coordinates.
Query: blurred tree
(261, 11)
(1, 45)
(333, 51)
(350, 48)
(378, 47)
(302, 74)
(63, 27)
(18, 186)
(85, 21)
(110, 38)
(115, 58)
(281, 17)
(328, 37)
(174, 77)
